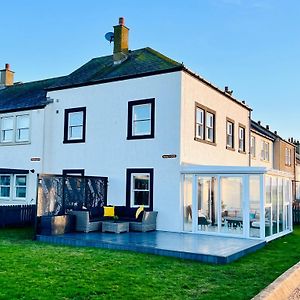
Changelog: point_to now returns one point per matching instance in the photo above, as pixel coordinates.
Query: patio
(204, 248)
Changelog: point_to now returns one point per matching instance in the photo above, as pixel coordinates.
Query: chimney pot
(267, 127)
(121, 21)
(275, 132)
(258, 122)
(226, 89)
(7, 67)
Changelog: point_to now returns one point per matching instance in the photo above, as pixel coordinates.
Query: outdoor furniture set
(115, 219)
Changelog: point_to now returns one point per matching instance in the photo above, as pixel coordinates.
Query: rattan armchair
(83, 222)
(148, 222)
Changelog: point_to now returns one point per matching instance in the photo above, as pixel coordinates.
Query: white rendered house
(165, 137)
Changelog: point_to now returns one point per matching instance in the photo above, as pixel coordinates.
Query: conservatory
(246, 202)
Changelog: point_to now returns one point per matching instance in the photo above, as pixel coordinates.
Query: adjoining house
(297, 170)
(22, 115)
(164, 136)
(268, 149)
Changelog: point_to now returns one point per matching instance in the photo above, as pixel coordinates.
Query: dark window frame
(228, 120)
(128, 185)
(66, 125)
(71, 172)
(243, 151)
(253, 138)
(133, 103)
(206, 110)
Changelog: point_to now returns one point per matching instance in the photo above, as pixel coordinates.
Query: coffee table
(115, 226)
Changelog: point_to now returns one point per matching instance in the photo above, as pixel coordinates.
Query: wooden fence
(17, 215)
(296, 213)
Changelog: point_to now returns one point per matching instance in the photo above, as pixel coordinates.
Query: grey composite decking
(205, 248)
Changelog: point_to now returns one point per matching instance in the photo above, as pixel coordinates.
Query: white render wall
(257, 161)
(107, 152)
(199, 153)
(18, 156)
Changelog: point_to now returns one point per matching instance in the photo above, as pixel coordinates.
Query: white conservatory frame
(219, 172)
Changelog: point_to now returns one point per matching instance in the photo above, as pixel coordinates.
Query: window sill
(140, 137)
(205, 141)
(74, 141)
(242, 152)
(230, 148)
(14, 143)
(11, 201)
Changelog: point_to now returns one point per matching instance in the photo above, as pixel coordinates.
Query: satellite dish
(109, 36)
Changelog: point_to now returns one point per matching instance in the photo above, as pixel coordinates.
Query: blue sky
(252, 46)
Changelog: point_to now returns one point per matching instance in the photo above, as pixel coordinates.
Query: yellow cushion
(109, 211)
(138, 211)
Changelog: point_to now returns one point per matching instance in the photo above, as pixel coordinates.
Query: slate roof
(141, 62)
(266, 132)
(23, 96)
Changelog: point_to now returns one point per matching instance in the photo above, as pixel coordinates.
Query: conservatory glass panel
(207, 205)
(254, 205)
(268, 221)
(274, 197)
(280, 204)
(232, 205)
(268, 189)
(187, 202)
(287, 202)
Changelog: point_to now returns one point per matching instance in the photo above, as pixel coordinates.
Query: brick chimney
(6, 76)
(120, 42)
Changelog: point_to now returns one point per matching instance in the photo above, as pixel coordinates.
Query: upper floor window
(140, 119)
(15, 128)
(75, 123)
(252, 146)
(22, 128)
(265, 151)
(204, 124)
(230, 134)
(7, 129)
(199, 123)
(288, 157)
(210, 130)
(242, 140)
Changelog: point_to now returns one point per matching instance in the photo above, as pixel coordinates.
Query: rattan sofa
(87, 221)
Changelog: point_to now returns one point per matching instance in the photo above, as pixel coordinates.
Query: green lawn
(33, 270)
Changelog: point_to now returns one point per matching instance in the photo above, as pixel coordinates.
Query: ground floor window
(139, 190)
(5, 186)
(73, 172)
(20, 186)
(13, 187)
